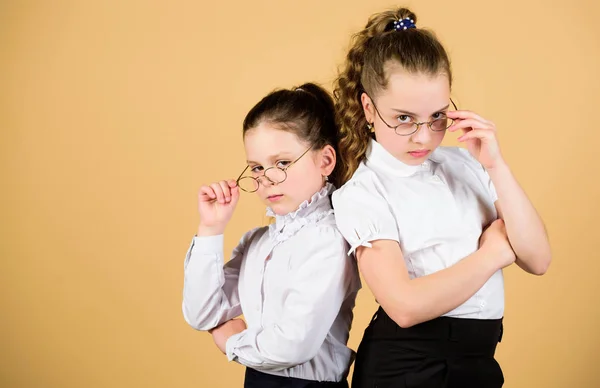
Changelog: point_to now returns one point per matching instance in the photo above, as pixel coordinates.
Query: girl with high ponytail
(431, 227)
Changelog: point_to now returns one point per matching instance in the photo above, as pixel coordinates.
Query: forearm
(524, 226)
(270, 349)
(412, 301)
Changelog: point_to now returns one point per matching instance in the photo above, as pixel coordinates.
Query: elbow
(405, 320)
(199, 325)
(541, 260)
(539, 266)
(405, 315)
(197, 320)
(542, 266)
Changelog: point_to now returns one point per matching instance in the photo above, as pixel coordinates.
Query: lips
(419, 153)
(275, 197)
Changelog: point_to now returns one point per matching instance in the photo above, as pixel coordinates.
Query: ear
(368, 107)
(328, 160)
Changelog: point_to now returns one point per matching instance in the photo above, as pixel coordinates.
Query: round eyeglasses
(274, 175)
(410, 127)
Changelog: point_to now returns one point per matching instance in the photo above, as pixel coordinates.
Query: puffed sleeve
(363, 214)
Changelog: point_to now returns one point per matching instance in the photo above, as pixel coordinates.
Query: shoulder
(450, 154)
(254, 234)
(324, 232)
(363, 186)
(459, 161)
(363, 212)
(455, 155)
(321, 244)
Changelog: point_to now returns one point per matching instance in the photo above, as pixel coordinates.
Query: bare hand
(216, 203)
(495, 241)
(479, 135)
(222, 333)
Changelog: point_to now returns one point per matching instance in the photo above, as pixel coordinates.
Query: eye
(438, 116)
(282, 163)
(256, 169)
(404, 119)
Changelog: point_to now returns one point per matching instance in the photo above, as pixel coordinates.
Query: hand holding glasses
(217, 201)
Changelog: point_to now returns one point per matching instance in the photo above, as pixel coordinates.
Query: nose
(266, 182)
(423, 134)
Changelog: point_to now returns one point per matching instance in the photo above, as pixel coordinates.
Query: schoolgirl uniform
(436, 211)
(296, 287)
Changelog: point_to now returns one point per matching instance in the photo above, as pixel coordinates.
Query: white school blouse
(295, 285)
(435, 211)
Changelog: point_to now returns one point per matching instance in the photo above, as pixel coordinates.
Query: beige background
(114, 112)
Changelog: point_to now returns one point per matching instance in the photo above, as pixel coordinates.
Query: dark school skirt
(442, 353)
(256, 379)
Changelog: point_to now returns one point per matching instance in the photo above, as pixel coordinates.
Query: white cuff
(208, 244)
(230, 345)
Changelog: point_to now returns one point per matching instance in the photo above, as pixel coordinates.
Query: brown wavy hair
(366, 70)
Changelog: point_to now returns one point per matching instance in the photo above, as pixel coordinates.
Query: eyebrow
(283, 154)
(414, 114)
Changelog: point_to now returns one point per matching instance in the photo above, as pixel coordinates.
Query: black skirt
(442, 353)
(256, 379)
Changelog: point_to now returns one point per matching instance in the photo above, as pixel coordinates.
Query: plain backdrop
(113, 113)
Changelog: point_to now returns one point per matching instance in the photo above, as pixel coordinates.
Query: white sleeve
(363, 215)
(210, 289)
(314, 297)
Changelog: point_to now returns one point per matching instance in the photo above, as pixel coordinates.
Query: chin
(281, 210)
(278, 208)
(414, 162)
